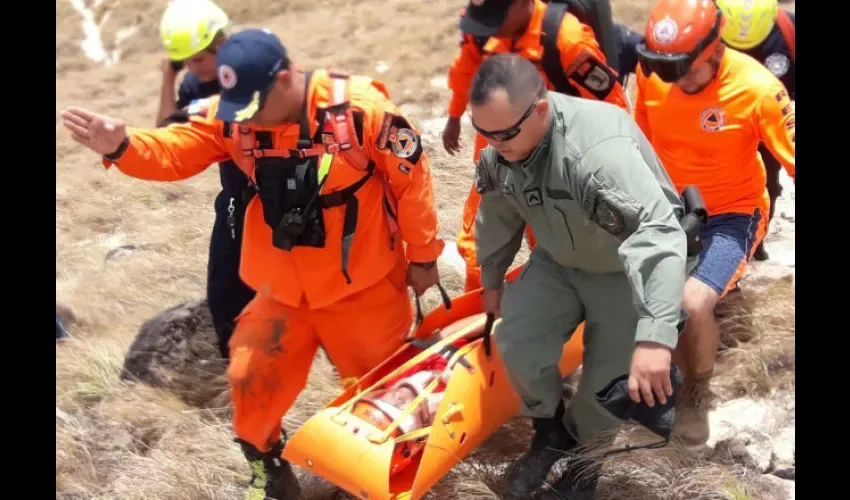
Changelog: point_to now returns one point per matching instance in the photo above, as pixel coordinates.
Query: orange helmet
(679, 35)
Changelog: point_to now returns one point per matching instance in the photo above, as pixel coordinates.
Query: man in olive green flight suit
(610, 251)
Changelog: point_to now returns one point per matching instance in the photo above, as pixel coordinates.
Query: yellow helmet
(748, 22)
(189, 26)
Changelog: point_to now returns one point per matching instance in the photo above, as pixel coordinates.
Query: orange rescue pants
(273, 348)
(466, 237)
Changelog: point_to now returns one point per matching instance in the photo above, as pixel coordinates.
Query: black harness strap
(551, 59)
(345, 196)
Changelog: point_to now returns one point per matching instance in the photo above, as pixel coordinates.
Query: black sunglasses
(510, 132)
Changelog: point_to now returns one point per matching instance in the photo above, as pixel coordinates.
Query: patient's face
(399, 397)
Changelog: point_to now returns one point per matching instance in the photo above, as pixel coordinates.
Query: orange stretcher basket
(477, 399)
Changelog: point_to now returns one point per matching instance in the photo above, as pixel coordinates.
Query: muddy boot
(692, 404)
(272, 477)
(761, 253)
(551, 439)
(578, 482)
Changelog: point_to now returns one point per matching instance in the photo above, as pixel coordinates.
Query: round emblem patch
(405, 143)
(665, 30)
(712, 119)
(777, 63)
(226, 77)
(609, 218)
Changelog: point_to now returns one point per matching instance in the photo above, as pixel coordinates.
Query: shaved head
(514, 75)
(509, 105)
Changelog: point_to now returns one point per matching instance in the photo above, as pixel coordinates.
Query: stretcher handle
(420, 317)
(486, 334)
(488, 331)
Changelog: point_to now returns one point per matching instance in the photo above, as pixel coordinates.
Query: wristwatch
(120, 151)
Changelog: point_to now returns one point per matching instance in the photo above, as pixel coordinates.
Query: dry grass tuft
(758, 334)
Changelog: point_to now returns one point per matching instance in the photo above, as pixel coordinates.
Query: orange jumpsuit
(303, 300)
(710, 139)
(579, 52)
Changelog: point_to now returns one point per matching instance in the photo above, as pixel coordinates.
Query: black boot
(271, 476)
(551, 439)
(578, 482)
(760, 253)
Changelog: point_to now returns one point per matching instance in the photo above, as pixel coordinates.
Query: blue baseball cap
(247, 64)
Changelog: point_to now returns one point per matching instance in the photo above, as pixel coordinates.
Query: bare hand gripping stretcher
(398, 430)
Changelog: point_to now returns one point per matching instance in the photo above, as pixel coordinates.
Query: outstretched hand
(100, 133)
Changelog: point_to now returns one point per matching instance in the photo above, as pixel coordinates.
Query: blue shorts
(728, 243)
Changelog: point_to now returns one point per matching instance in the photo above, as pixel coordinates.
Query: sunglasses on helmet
(510, 132)
(673, 67)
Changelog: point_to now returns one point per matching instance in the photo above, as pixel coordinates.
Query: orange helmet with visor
(680, 35)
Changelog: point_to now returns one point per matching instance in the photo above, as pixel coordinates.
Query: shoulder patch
(613, 210)
(609, 217)
(397, 135)
(595, 76)
(778, 64)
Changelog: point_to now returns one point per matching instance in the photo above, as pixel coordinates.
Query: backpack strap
(339, 135)
(551, 59)
(339, 120)
(786, 26)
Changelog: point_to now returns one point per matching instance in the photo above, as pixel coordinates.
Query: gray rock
(739, 415)
(752, 449)
(783, 448)
(778, 488)
(65, 315)
(786, 472)
(178, 350)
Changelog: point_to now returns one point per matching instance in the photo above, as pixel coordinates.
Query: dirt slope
(127, 249)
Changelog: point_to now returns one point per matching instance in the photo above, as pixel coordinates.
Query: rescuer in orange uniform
(333, 168)
(571, 64)
(705, 108)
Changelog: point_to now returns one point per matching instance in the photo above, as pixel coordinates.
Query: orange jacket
(183, 150)
(579, 52)
(710, 139)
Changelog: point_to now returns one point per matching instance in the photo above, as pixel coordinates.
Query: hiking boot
(272, 477)
(692, 404)
(761, 253)
(578, 482)
(527, 473)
